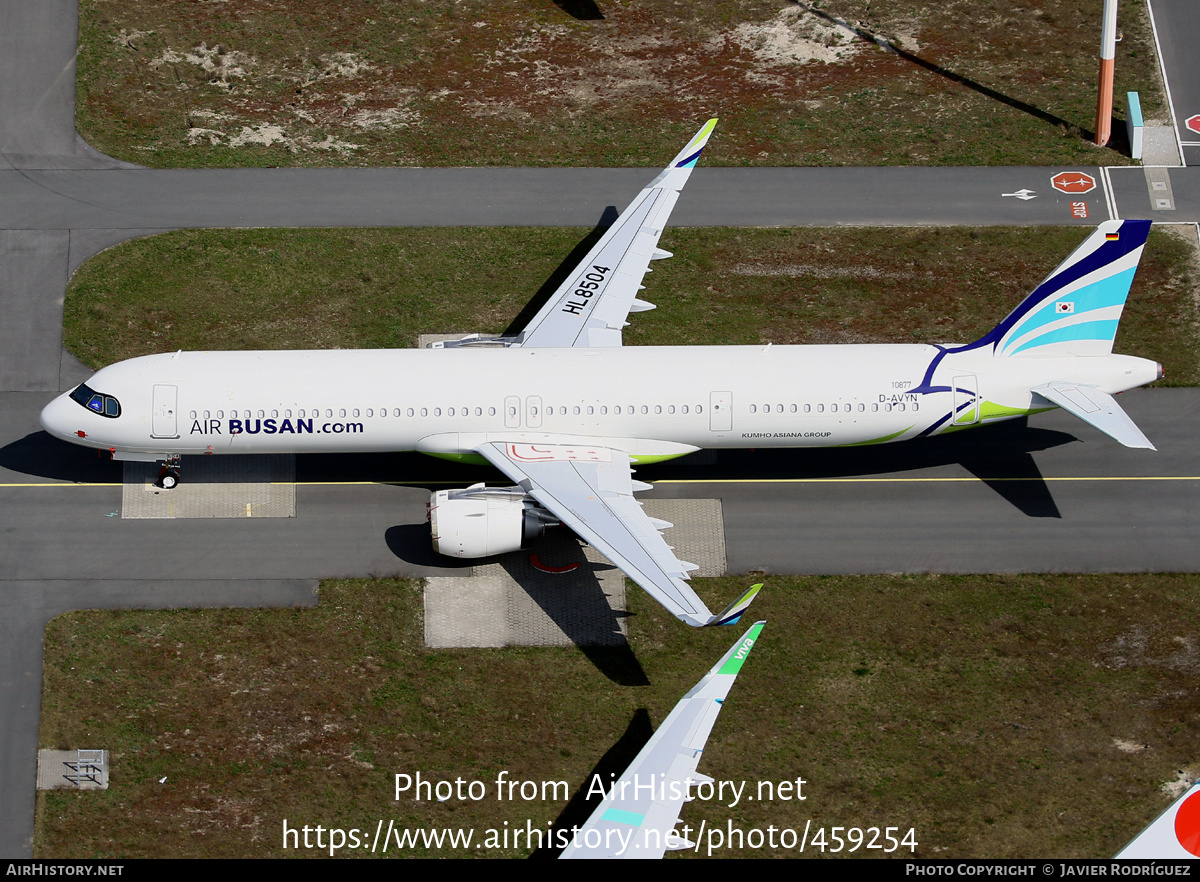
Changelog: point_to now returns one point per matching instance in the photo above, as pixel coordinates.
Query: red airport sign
(1073, 182)
(1193, 123)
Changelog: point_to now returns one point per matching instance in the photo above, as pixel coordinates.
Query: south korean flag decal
(1064, 306)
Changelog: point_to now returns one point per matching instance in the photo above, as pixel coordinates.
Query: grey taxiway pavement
(975, 502)
(1176, 28)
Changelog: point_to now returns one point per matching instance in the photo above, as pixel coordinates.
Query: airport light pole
(1108, 52)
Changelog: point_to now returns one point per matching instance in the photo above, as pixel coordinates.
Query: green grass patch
(314, 289)
(999, 716)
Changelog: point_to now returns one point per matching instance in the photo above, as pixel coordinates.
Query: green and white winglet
(589, 309)
(637, 818)
(1174, 834)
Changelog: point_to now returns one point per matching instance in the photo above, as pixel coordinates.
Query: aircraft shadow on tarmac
(1000, 456)
(44, 456)
(575, 601)
(577, 604)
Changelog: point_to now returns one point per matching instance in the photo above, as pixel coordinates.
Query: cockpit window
(96, 402)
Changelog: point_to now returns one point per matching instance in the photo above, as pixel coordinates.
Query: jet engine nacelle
(482, 521)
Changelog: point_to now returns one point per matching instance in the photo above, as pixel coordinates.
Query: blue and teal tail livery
(1076, 310)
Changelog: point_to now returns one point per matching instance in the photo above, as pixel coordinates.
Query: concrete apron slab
(520, 600)
(72, 770)
(214, 487)
(1159, 146)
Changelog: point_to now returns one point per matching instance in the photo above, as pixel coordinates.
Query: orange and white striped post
(1108, 52)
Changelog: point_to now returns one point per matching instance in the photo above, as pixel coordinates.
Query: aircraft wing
(1097, 408)
(590, 489)
(1173, 834)
(590, 307)
(635, 821)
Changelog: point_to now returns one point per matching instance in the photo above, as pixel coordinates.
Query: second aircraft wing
(637, 817)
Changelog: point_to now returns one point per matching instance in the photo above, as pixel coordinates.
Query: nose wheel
(168, 475)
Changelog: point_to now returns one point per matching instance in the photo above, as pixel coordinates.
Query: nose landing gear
(168, 475)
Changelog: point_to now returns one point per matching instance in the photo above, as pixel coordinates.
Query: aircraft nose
(56, 418)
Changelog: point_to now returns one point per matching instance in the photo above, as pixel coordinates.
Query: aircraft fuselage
(660, 401)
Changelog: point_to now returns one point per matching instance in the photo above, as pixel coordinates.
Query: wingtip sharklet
(734, 611)
(731, 663)
(701, 137)
(675, 175)
(688, 156)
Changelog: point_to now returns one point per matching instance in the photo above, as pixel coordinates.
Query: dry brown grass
(519, 82)
(998, 716)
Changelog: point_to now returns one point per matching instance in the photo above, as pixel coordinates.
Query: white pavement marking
(1162, 69)
(1110, 197)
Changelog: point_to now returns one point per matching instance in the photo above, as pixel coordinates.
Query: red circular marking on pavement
(1187, 824)
(1193, 123)
(538, 565)
(1073, 182)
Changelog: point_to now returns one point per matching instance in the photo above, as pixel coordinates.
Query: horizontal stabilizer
(1096, 408)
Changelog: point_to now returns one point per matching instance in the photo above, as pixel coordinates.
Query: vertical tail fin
(1076, 310)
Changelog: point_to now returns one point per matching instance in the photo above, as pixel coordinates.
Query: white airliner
(563, 408)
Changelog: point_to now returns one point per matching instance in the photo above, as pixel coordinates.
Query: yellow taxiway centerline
(960, 480)
(966, 479)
